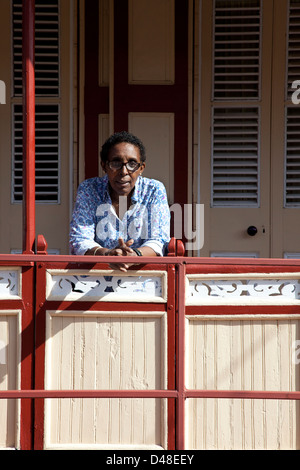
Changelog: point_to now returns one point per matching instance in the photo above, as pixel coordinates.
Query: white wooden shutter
(47, 101)
(292, 119)
(46, 153)
(292, 157)
(46, 47)
(293, 46)
(237, 37)
(236, 127)
(235, 158)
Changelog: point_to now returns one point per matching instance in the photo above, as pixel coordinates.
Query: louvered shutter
(46, 149)
(292, 157)
(236, 78)
(235, 156)
(292, 122)
(236, 49)
(293, 46)
(47, 101)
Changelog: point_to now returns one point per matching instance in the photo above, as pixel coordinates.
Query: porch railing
(87, 355)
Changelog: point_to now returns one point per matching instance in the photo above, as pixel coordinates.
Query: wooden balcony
(87, 354)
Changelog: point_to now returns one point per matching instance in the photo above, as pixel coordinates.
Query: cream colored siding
(106, 350)
(10, 348)
(244, 354)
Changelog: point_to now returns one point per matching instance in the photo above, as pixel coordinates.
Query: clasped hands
(123, 249)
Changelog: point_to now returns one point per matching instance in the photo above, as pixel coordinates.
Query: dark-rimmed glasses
(131, 166)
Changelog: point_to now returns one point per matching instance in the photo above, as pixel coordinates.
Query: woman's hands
(122, 250)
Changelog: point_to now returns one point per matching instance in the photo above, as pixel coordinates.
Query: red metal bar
(243, 394)
(27, 356)
(234, 394)
(171, 312)
(180, 358)
(88, 394)
(238, 310)
(82, 259)
(28, 127)
(40, 338)
(200, 265)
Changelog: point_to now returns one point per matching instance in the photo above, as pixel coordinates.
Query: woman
(123, 213)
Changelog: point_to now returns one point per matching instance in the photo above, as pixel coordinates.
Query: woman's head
(123, 159)
(118, 138)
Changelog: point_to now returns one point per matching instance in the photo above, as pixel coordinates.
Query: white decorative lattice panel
(250, 289)
(10, 283)
(144, 286)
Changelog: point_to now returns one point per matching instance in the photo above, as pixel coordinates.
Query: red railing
(34, 304)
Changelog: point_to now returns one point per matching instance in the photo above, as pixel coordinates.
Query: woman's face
(122, 181)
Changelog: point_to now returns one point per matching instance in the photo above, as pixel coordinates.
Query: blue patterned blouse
(95, 222)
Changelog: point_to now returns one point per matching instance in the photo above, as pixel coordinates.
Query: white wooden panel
(242, 353)
(258, 289)
(9, 377)
(145, 286)
(10, 283)
(156, 130)
(105, 350)
(151, 41)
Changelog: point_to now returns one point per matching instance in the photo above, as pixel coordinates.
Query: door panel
(285, 142)
(249, 127)
(147, 92)
(234, 127)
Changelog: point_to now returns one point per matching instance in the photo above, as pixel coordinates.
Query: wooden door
(285, 142)
(136, 79)
(248, 144)
(235, 127)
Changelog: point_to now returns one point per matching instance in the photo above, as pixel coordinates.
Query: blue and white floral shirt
(95, 221)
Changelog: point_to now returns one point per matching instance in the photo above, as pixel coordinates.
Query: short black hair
(118, 138)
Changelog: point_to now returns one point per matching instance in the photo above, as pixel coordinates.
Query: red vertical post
(180, 368)
(28, 127)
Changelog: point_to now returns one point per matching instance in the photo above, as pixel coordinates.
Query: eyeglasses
(131, 166)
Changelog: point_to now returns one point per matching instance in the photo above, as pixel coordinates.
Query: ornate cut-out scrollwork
(91, 286)
(289, 288)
